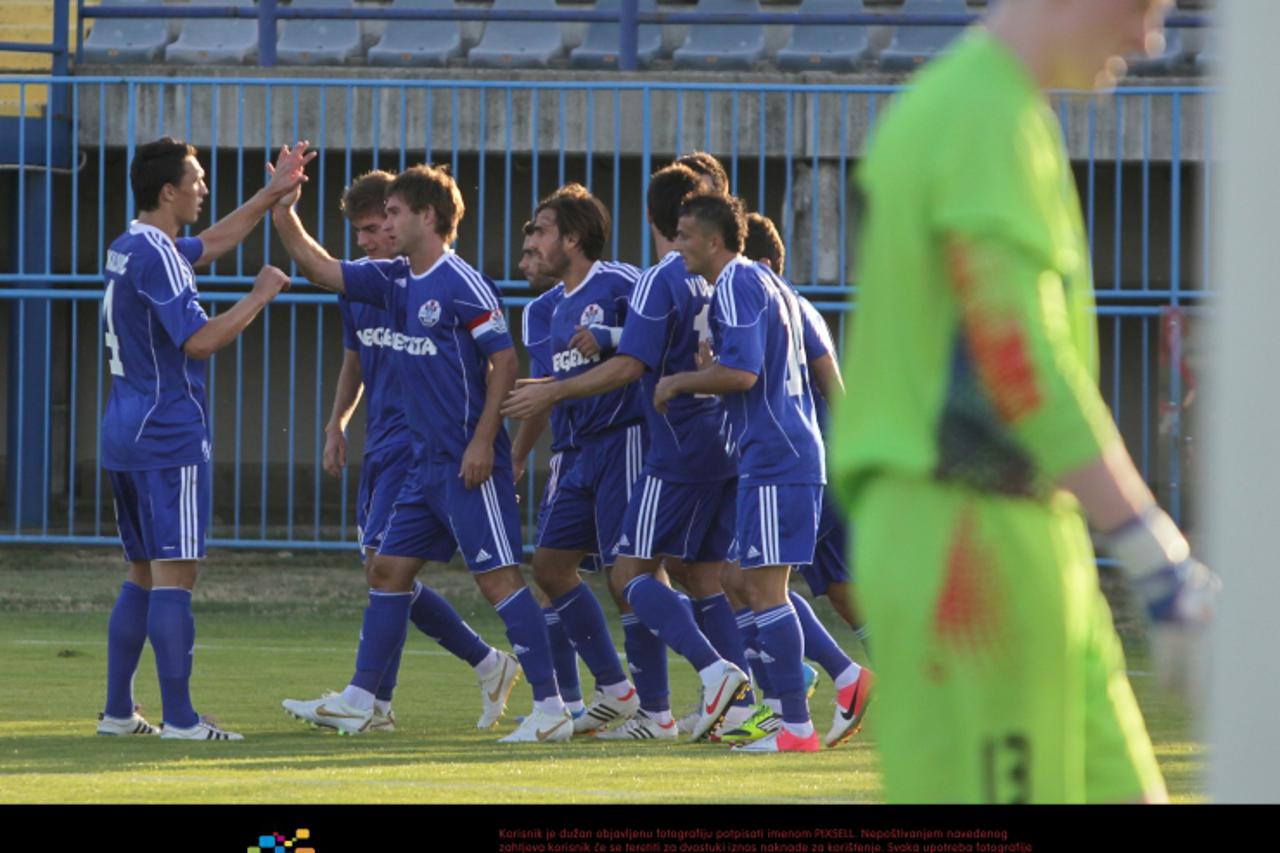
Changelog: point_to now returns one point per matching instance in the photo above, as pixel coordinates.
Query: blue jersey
(447, 321)
(157, 412)
(757, 326)
(536, 331)
(370, 333)
(600, 300)
(668, 318)
(817, 343)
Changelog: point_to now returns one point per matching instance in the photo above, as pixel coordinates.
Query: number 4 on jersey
(113, 343)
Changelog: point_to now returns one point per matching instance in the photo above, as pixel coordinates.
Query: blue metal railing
(270, 389)
(628, 16)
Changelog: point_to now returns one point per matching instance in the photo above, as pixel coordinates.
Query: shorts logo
(592, 315)
(483, 555)
(429, 313)
(752, 553)
(277, 843)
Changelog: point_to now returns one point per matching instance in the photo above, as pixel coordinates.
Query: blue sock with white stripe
(819, 646)
(647, 660)
(527, 631)
(782, 644)
(751, 642)
(387, 686)
(386, 621)
(171, 629)
(436, 617)
(583, 620)
(659, 608)
(688, 604)
(126, 635)
(563, 657)
(721, 629)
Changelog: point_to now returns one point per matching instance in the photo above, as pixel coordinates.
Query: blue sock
(126, 635)
(171, 629)
(782, 643)
(819, 646)
(387, 686)
(647, 659)
(751, 643)
(721, 629)
(436, 618)
(659, 609)
(527, 631)
(687, 603)
(386, 621)
(583, 620)
(563, 657)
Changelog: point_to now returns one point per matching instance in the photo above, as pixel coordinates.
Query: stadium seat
(126, 39)
(225, 41)
(913, 46)
(827, 48)
(319, 42)
(720, 46)
(418, 42)
(1174, 59)
(518, 44)
(600, 47)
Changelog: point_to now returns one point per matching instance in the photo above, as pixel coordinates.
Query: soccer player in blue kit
(683, 506)
(828, 574)
(600, 439)
(370, 369)
(155, 431)
(460, 363)
(761, 370)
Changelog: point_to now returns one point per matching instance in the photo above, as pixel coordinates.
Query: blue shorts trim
(163, 513)
(382, 476)
(777, 525)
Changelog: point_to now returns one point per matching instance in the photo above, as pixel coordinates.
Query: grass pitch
(276, 626)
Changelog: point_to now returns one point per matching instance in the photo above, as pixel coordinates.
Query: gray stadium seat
(600, 47)
(1174, 59)
(518, 44)
(319, 42)
(826, 47)
(226, 41)
(717, 46)
(418, 42)
(126, 39)
(913, 46)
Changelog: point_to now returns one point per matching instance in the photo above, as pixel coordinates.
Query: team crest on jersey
(592, 315)
(429, 313)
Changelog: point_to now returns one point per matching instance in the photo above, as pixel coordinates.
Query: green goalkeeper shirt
(973, 356)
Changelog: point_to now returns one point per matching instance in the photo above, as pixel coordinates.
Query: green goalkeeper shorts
(1001, 678)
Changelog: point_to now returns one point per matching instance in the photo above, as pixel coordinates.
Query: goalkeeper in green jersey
(973, 446)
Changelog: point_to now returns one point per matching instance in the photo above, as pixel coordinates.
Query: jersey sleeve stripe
(475, 282)
(645, 284)
(175, 279)
(177, 264)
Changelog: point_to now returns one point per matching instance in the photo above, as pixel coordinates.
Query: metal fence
(1141, 162)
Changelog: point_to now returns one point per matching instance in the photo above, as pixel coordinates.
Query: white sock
(381, 707)
(358, 698)
(619, 690)
(552, 705)
(575, 706)
(774, 705)
(662, 718)
(804, 729)
(489, 664)
(849, 676)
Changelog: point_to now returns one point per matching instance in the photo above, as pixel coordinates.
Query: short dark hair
(723, 214)
(704, 164)
(763, 241)
(667, 188)
(581, 214)
(160, 162)
(527, 228)
(426, 186)
(367, 195)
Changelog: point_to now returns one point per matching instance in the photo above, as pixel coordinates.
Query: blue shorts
(560, 461)
(382, 476)
(777, 525)
(435, 515)
(692, 521)
(588, 492)
(830, 557)
(163, 514)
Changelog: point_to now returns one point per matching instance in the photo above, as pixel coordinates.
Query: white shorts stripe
(490, 495)
(648, 517)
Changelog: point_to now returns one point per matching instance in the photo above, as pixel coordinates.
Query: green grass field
(277, 626)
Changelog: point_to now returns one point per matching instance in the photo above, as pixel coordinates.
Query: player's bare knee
(703, 580)
(500, 583)
(556, 572)
(139, 574)
(174, 573)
